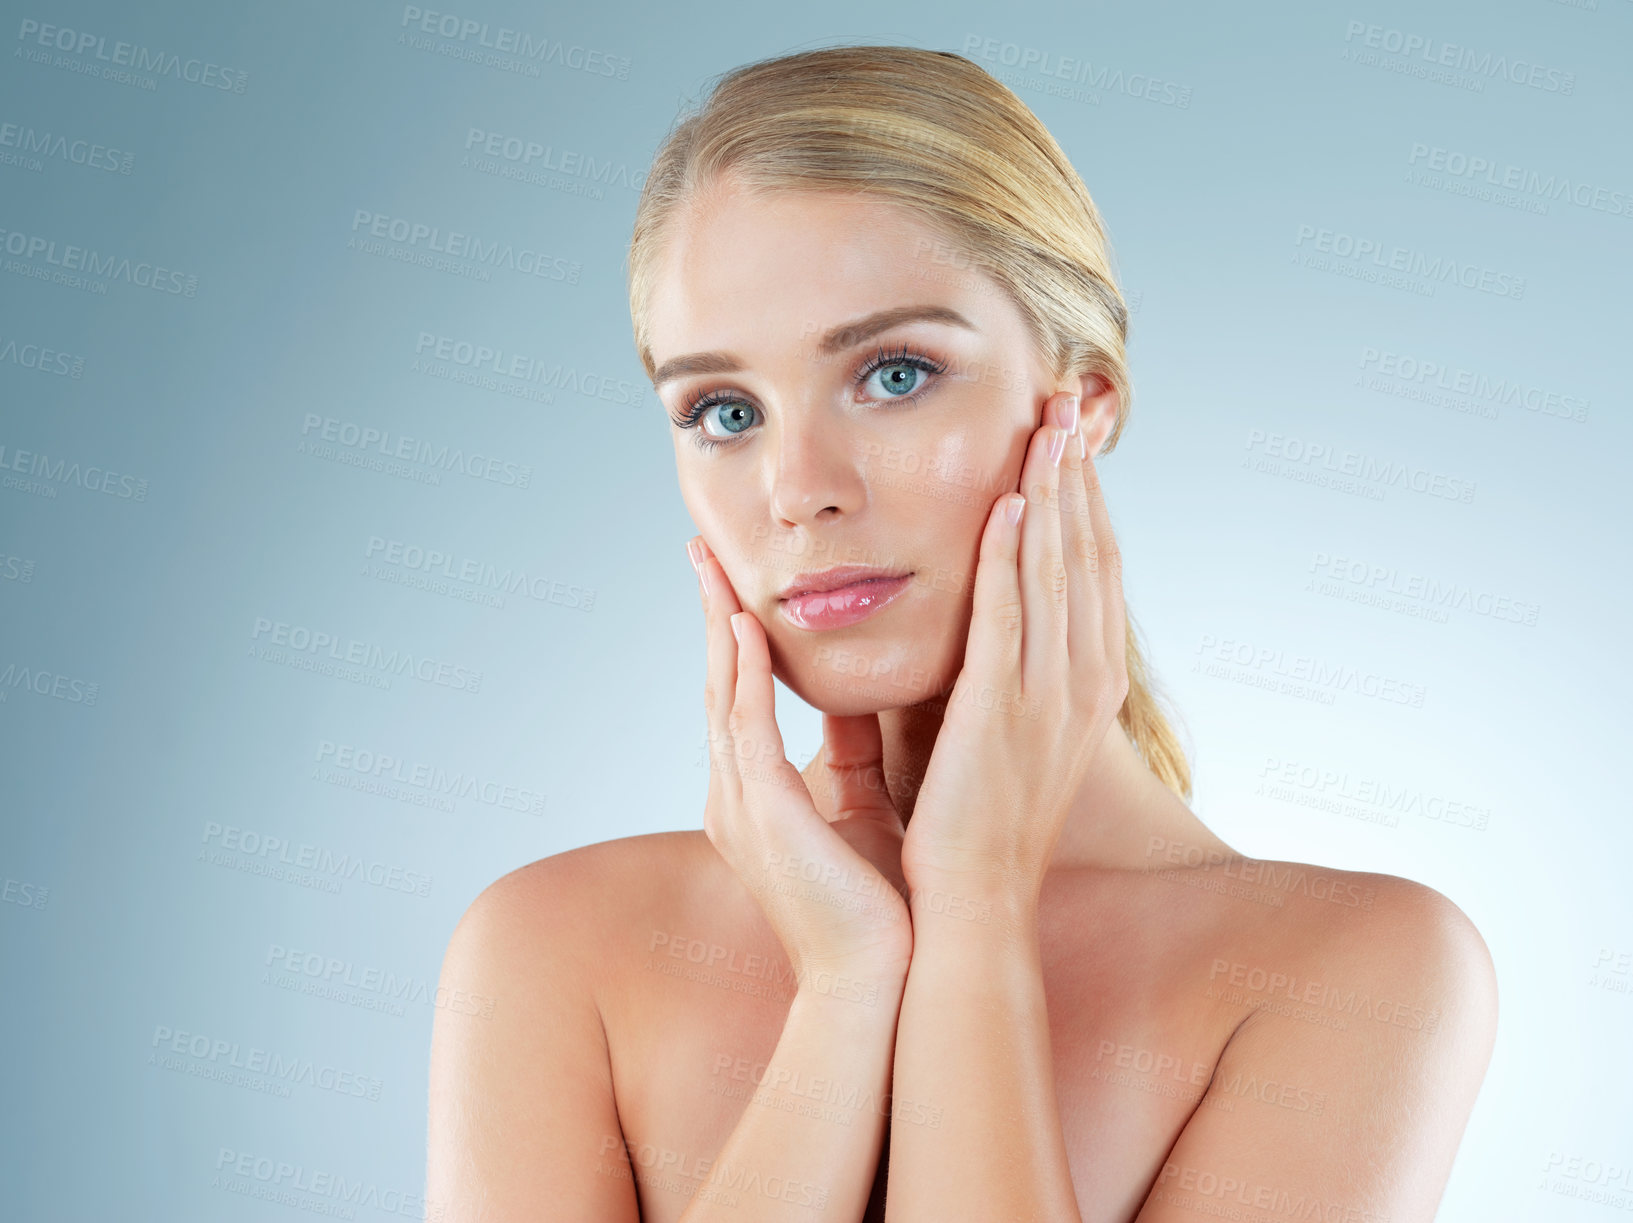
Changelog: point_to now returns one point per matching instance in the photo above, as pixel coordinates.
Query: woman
(981, 945)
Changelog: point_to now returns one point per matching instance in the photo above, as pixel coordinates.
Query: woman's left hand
(1044, 676)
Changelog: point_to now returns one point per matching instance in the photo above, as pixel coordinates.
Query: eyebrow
(846, 335)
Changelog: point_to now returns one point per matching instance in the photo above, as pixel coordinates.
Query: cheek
(961, 472)
(725, 514)
(981, 438)
(721, 506)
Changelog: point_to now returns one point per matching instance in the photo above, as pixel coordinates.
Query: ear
(1098, 403)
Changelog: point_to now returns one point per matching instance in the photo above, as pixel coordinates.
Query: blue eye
(736, 417)
(902, 372)
(900, 377)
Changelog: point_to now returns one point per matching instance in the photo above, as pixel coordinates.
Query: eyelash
(701, 401)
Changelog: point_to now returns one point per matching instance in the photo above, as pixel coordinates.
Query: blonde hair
(933, 132)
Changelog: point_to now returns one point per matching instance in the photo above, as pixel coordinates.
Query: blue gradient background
(120, 918)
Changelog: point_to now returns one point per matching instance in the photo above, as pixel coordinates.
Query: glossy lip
(843, 597)
(821, 580)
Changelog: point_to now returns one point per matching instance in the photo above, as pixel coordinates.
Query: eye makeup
(699, 403)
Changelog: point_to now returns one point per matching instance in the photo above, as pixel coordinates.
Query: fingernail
(1016, 506)
(1070, 414)
(737, 629)
(1083, 446)
(703, 580)
(1057, 446)
(692, 553)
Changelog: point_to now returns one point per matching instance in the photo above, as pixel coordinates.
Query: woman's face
(840, 428)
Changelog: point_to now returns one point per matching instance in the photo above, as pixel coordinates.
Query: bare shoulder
(1273, 937)
(1402, 940)
(1421, 933)
(522, 1102)
(1362, 1011)
(575, 903)
(655, 857)
(1283, 919)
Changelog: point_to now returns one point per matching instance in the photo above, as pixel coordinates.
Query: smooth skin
(974, 961)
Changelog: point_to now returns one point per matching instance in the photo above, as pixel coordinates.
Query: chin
(848, 672)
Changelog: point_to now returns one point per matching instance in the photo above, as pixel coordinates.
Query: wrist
(853, 991)
(965, 910)
(983, 893)
(1007, 875)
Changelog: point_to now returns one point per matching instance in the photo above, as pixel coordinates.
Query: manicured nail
(737, 629)
(693, 554)
(1015, 508)
(703, 580)
(1083, 447)
(1070, 414)
(1057, 446)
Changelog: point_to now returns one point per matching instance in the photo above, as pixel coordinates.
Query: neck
(1114, 821)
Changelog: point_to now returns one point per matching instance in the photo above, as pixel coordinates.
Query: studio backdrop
(342, 558)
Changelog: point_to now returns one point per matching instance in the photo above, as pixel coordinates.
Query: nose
(818, 475)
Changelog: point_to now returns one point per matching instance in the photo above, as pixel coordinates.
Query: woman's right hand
(828, 884)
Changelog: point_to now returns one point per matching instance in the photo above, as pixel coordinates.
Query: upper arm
(522, 1120)
(1345, 1091)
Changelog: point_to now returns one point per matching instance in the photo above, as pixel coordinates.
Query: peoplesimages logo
(127, 63)
(1446, 384)
(308, 649)
(433, 246)
(1496, 181)
(352, 444)
(25, 146)
(42, 681)
(1371, 259)
(1447, 63)
(418, 782)
(314, 1189)
(303, 863)
(39, 257)
(502, 47)
(252, 1067)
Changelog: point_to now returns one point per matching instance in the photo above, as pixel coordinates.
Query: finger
(719, 602)
(853, 752)
(762, 759)
(1108, 565)
(694, 553)
(1042, 565)
(1085, 597)
(992, 655)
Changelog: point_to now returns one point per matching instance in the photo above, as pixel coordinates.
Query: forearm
(974, 1039)
(808, 1143)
